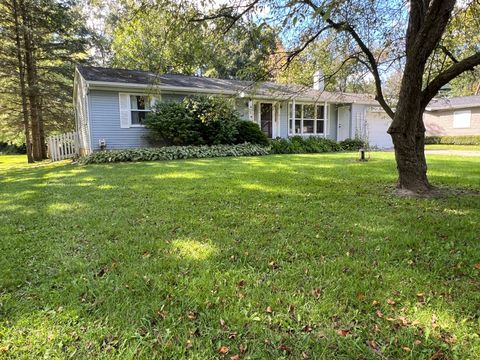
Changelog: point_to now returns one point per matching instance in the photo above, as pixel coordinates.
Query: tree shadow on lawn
(135, 258)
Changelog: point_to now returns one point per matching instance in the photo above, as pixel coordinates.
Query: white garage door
(378, 124)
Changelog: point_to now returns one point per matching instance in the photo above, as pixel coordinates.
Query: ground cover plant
(173, 153)
(282, 256)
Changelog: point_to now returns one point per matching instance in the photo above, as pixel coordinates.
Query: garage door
(378, 124)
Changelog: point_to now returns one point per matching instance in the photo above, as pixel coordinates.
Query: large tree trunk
(21, 74)
(32, 90)
(43, 142)
(411, 162)
(408, 131)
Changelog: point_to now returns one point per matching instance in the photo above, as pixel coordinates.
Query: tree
(41, 40)
(346, 75)
(382, 33)
(158, 37)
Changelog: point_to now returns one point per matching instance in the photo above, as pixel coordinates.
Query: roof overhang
(451, 107)
(118, 86)
(105, 85)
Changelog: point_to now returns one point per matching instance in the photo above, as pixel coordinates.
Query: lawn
(452, 147)
(287, 256)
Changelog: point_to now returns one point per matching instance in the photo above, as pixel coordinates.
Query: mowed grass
(452, 147)
(296, 256)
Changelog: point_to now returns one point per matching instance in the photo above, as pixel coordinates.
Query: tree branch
(295, 53)
(448, 53)
(446, 76)
(228, 15)
(346, 27)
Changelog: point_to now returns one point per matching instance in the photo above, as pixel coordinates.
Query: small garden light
(362, 156)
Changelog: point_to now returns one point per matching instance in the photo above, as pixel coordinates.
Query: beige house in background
(455, 116)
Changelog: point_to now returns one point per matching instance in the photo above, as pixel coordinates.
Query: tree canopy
(160, 37)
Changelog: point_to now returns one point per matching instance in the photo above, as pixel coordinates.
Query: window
(320, 119)
(139, 106)
(308, 119)
(461, 119)
(298, 119)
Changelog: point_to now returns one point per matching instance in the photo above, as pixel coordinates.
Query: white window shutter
(124, 101)
(153, 101)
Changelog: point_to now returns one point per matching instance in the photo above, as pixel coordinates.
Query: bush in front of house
(199, 120)
(215, 117)
(172, 124)
(301, 145)
(352, 144)
(453, 140)
(173, 153)
(249, 132)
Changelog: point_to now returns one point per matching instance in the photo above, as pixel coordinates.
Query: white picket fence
(63, 146)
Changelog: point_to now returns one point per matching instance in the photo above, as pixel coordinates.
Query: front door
(266, 118)
(343, 129)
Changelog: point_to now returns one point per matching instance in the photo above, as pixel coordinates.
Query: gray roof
(459, 102)
(258, 89)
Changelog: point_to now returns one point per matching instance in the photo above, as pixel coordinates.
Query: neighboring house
(455, 116)
(110, 105)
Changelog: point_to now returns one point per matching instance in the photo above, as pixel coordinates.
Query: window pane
(297, 126)
(139, 102)
(308, 126)
(320, 126)
(138, 117)
(298, 111)
(308, 112)
(290, 125)
(320, 112)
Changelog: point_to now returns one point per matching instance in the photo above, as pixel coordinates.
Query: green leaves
(174, 152)
(201, 120)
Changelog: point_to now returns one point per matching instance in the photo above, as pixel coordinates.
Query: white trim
(326, 114)
(291, 119)
(128, 108)
(251, 110)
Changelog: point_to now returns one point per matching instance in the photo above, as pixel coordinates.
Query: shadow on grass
(138, 259)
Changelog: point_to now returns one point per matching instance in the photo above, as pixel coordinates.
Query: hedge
(453, 140)
(173, 153)
(12, 149)
(313, 144)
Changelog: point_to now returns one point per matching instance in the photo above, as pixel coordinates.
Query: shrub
(174, 152)
(352, 144)
(300, 145)
(215, 117)
(172, 124)
(453, 140)
(249, 132)
(12, 149)
(194, 121)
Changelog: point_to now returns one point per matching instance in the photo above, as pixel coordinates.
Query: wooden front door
(266, 118)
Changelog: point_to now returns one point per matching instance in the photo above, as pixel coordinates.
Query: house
(110, 105)
(454, 116)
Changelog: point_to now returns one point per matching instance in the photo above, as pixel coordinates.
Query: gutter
(117, 86)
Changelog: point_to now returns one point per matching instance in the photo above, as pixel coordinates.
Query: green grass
(452, 147)
(177, 259)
